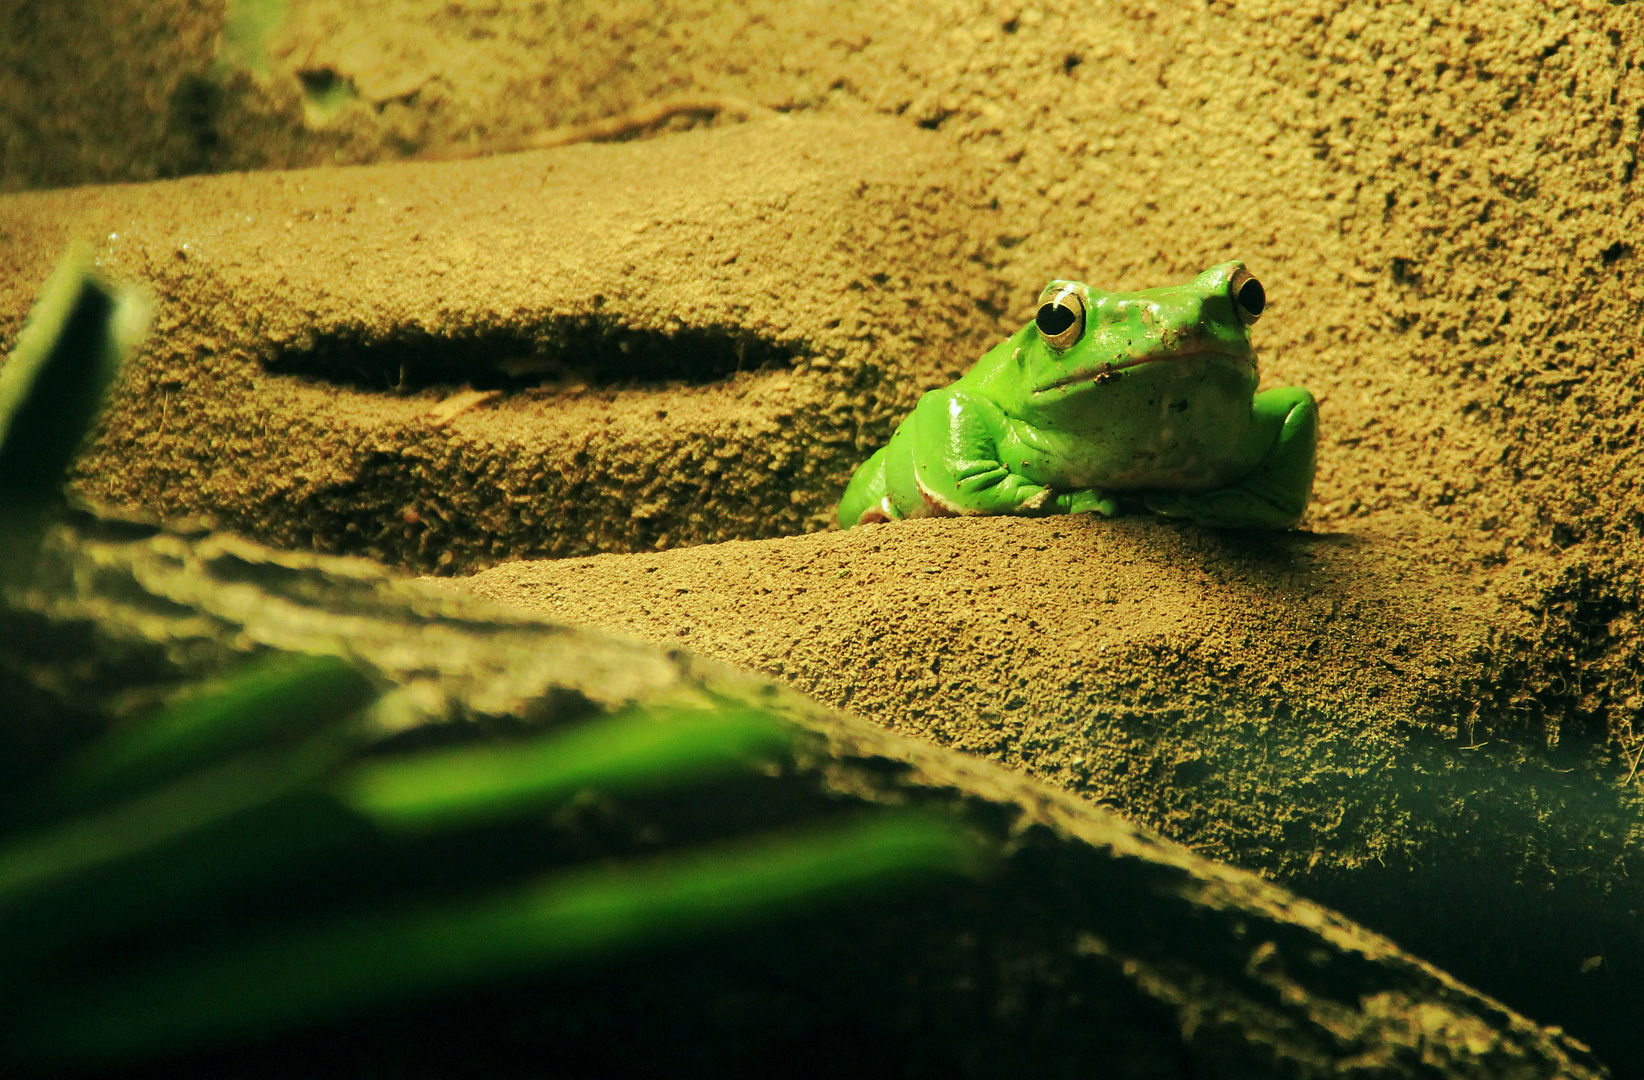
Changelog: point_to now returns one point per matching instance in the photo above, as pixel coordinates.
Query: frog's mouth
(1110, 371)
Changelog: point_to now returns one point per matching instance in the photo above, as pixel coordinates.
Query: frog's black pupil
(1054, 318)
(1252, 297)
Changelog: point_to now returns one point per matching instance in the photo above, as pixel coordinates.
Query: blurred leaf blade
(281, 698)
(164, 810)
(60, 853)
(282, 982)
(53, 383)
(631, 751)
(259, 841)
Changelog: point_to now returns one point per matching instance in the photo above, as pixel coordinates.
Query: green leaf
(54, 382)
(256, 989)
(87, 890)
(248, 27)
(631, 751)
(223, 785)
(282, 699)
(56, 856)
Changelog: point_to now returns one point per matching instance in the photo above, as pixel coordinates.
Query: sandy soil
(1077, 940)
(1203, 680)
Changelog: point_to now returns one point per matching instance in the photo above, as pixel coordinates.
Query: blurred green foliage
(277, 802)
(249, 858)
(51, 388)
(247, 27)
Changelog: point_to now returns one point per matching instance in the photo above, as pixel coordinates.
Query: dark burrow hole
(585, 352)
(324, 83)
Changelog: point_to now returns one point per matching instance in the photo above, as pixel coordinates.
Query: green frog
(1144, 400)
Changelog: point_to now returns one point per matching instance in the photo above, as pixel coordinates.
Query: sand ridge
(312, 323)
(1317, 707)
(1136, 662)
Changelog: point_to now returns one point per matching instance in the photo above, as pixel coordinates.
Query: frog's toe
(1093, 502)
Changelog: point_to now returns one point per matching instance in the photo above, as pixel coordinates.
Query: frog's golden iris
(1248, 296)
(1061, 318)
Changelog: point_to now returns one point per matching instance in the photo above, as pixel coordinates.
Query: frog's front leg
(948, 464)
(1274, 494)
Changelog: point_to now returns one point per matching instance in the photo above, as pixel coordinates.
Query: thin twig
(459, 403)
(646, 116)
(613, 127)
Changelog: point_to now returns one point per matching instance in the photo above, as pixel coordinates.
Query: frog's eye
(1248, 296)
(1061, 318)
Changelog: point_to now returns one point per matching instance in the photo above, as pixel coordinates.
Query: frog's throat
(1110, 370)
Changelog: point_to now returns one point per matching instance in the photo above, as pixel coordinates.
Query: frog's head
(1091, 349)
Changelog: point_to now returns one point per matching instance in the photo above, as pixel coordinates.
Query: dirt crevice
(587, 351)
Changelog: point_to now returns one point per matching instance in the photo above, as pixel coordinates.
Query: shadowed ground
(1094, 945)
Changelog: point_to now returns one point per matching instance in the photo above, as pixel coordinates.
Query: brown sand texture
(655, 362)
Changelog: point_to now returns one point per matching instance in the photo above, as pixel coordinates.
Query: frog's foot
(1030, 500)
(883, 510)
(1274, 494)
(1087, 501)
(865, 499)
